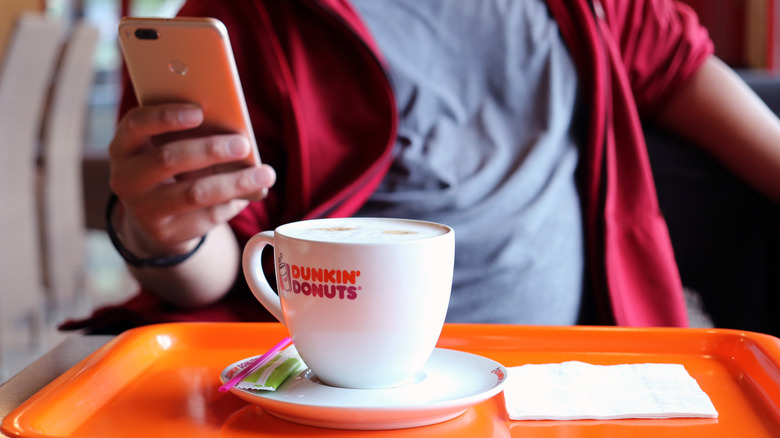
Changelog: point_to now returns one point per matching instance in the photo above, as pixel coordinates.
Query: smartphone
(188, 60)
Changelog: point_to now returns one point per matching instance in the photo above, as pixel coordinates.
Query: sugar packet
(269, 376)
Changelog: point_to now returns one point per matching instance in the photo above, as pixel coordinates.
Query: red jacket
(324, 116)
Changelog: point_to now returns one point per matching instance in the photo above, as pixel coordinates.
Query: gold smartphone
(188, 60)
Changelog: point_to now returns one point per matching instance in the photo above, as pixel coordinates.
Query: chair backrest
(63, 228)
(27, 70)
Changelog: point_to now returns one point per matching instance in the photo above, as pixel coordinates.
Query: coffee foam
(363, 230)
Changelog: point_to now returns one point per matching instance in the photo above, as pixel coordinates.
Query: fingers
(143, 171)
(137, 165)
(175, 233)
(140, 124)
(130, 171)
(175, 189)
(207, 191)
(177, 212)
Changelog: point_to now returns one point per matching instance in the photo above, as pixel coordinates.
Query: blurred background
(95, 275)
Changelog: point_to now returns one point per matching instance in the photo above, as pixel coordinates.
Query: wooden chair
(63, 227)
(24, 82)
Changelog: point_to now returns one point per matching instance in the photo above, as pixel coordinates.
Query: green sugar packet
(269, 376)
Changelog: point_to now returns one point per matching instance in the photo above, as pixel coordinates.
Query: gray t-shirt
(487, 93)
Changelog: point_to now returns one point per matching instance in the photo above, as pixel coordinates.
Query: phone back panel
(189, 60)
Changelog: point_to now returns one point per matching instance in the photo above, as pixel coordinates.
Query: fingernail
(191, 116)
(262, 178)
(238, 147)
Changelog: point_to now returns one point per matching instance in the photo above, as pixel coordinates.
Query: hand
(170, 194)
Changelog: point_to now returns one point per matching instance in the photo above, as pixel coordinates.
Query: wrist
(130, 248)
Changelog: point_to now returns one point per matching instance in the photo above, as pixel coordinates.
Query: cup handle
(255, 277)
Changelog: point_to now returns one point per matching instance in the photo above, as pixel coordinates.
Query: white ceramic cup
(364, 299)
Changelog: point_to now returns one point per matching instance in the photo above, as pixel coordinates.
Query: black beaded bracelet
(132, 259)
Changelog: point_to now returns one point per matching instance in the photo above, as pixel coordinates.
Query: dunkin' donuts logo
(318, 282)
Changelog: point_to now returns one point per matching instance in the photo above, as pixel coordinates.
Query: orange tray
(162, 381)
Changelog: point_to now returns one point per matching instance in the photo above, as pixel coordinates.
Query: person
(517, 122)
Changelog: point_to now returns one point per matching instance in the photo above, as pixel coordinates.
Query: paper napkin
(577, 390)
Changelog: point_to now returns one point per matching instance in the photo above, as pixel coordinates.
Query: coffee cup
(364, 299)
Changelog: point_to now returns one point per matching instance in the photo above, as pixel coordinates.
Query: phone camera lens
(146, 34)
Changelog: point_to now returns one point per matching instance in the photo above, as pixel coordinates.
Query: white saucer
(449, 383)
